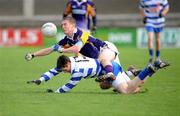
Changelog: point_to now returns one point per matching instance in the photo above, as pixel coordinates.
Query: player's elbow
(76, 49)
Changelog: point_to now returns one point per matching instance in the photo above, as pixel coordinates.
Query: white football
(49, 29)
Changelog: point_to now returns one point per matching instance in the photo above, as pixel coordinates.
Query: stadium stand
(121, 13)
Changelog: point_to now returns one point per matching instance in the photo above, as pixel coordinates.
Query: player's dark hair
(70, 19)
(62, 61)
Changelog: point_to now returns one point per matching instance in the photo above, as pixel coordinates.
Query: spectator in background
(80, 11)
(153, 13)
(93, 29)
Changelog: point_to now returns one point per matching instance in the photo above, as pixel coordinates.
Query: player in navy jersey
(154, 12)
(81, 10)
(78, 41)
(84, 67)
(93, 28)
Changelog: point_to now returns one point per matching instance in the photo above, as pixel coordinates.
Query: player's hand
(144, 20)
(29, 56)
(37, 82)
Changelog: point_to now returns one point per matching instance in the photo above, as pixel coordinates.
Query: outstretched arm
(49, 74)
(46, 76)
(68, 86)
(43, 52)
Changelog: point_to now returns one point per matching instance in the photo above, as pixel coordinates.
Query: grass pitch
(20, 99)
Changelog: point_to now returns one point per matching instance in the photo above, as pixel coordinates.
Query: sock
(108, 68)
(157, 54)
(151, 53)
(144, 73)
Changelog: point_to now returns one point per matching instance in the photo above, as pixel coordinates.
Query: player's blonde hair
(70, 19)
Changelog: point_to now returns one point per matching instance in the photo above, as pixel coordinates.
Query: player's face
(67, 68)
(67, 28)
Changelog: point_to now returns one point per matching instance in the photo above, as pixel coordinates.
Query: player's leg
(157, 35)
(144, 74)
(106, 57)
(158, 42)
(121, 84)
(150, 42)
(140, 79)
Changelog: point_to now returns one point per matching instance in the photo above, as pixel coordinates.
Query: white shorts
(120, 78)
(113, 48)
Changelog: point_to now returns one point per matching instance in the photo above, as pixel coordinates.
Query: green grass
(20, 99)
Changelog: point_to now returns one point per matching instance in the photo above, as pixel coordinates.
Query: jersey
(84, 67)
(80, 12)
(91, 46)
(152, 10)
(81, 67)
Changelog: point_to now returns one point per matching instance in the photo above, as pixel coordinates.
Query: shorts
(113, 48)
(120, 78)
(152, 29)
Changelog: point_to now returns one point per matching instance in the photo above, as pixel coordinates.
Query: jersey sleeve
(141, 5)
(69, 85)
(49, 74)
(165, 4)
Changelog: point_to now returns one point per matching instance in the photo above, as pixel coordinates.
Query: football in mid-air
(49, 29)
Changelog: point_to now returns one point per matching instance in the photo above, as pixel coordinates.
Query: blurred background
(118, 21)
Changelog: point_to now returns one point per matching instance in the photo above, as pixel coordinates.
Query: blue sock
(157, 54)
(144, 73)
(151, 53)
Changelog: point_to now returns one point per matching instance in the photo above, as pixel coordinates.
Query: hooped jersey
(152, 9)
(84, 67)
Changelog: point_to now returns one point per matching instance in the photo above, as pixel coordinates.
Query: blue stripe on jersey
(76, 78)
(152, 17)
(165, 5)
(54, 73)
(57, 69)
(156, 23)
(61, 90)
(69, 85)
(81, 70)
(98, 65)
(89, 72)
(151, 6)
(45, 77)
